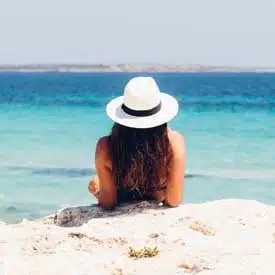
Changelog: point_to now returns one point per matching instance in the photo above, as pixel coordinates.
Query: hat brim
(169, 109)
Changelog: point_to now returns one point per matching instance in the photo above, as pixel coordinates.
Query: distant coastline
(128, 68)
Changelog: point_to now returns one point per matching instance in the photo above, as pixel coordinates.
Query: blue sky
(207, 32)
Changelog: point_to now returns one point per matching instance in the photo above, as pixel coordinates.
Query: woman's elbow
(107, 205)
(173, 203)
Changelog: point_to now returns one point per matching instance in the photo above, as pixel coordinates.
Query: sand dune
(220, 237)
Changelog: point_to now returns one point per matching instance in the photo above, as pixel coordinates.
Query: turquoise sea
(49, 124)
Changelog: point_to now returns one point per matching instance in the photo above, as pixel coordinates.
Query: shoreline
(131, 68)
(229, 236)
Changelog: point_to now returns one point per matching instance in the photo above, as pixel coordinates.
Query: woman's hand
(94, 186)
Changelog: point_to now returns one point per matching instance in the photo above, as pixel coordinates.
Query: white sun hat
(142, 105)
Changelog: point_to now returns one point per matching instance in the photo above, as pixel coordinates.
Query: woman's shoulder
(175, 136)
(177, 141)
(103, 143)
(102, 147)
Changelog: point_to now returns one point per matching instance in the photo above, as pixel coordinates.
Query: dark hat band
(141, 113)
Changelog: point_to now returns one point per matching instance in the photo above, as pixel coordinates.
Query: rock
(79, 215)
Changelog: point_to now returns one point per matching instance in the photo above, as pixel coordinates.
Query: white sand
(222, 237)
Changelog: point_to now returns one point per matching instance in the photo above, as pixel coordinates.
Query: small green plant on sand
(146, 252)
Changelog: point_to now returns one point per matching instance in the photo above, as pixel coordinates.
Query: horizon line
(118, 64)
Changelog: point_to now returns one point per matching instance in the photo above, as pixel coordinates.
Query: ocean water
(49, 124)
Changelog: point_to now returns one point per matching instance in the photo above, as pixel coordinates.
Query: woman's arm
(175, 185)
(107, 196)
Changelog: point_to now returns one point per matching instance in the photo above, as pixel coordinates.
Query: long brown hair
(140, 157)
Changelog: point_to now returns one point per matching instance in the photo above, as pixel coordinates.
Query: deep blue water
(50, 123)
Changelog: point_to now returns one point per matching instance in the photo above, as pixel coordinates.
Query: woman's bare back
(108, 196)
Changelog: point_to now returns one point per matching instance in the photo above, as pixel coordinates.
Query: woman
(142, 159)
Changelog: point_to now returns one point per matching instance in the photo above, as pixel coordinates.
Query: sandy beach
(220, 237)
